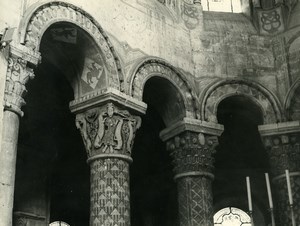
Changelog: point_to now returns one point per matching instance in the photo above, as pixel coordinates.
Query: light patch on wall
(232, 6)
(59, 223)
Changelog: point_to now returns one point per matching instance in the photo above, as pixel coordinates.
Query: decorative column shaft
(18, 73)
(282, 142)
(192, 144)
(108, 134)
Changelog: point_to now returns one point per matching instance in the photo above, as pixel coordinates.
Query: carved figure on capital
(18, 73)
(192, 151)
(108, 130)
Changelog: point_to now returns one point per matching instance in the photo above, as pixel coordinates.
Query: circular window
(231, 216)
(59, 223)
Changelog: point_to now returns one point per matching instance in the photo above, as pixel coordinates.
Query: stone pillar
(282, 142)
(191, 144)
(108, 134)
(18, 73)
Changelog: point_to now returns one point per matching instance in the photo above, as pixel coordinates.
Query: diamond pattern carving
(195, 201)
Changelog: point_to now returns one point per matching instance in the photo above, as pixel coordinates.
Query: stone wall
(204, 46)
(231, 48)
(226, 45)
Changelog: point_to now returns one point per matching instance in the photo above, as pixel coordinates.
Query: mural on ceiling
(271, 21)
(94, 72)
(190, 15)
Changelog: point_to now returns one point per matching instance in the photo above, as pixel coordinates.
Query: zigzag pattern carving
(110, 203)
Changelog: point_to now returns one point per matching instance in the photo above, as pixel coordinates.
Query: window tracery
(231, 216)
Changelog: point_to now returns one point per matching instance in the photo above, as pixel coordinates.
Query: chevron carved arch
(39, 18)
(268, 103)
(159, 68)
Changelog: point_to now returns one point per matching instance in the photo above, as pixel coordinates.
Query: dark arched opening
(52, 181)
(153, 190)
(240, 153)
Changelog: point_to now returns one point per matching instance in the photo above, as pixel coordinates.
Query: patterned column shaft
(284, 153)
(17, 76)
(195, 201)
(110, 203)
(108, 134)
(283, 212)
(193, 165)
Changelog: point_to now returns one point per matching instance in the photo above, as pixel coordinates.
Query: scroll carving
(18, 73)
(108, 130)
(192, 152)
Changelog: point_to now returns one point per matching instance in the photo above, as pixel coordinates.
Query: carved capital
(108, 131)
(192, 153)
(282, 142)
(18, 73)
(283, 151)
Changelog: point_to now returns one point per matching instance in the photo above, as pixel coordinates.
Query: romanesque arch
(40, 17)
(158, 68)
(292, 40)
(218, 91)
(292, 102)
(293, 57)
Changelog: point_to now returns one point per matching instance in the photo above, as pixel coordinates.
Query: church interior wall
(226, 46)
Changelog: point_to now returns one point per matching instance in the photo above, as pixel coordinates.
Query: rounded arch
(150, 68)
(218, 91)
(289, 98)
(291, 40)
(39, 17)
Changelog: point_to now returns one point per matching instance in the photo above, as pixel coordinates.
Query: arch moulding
(39, 18)
(289, 97)
(157, 68)
(218, 91)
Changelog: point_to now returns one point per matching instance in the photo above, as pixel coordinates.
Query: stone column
(192, 144)
(18, 73)
(108, 134)
(282, 142)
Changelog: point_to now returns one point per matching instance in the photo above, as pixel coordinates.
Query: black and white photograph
(150, 113)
